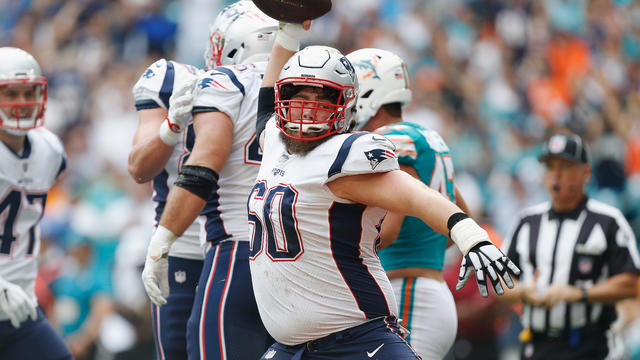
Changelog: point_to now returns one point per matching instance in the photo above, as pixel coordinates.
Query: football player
(31, 158)
(316, 209)
(162, 142)
(214, 181)
(414, 261)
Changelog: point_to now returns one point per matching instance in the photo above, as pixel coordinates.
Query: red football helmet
(23, 91)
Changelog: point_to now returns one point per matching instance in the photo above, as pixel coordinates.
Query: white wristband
(167, 135)
(289, 36)
(467, 233)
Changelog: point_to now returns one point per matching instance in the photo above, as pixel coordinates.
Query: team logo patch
(585, 265)
(148, 74)
(369, 69)
(209, 82)
(180, 276)
(376, 156)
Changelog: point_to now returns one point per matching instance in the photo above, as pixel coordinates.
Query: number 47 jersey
(25, 180)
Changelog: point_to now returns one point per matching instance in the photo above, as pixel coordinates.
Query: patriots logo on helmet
(148, 74)
(376, 156)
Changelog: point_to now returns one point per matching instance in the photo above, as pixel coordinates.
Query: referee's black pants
(592, 346)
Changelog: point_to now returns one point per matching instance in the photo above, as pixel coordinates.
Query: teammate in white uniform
(316, 209)
(31, 158)
(414, 261)
(215, 182)
(158, 154)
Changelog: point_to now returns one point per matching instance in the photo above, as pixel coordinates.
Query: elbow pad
(198, 180)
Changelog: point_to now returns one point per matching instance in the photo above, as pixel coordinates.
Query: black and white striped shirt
(581, 248)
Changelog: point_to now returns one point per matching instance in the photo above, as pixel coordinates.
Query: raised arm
(286, 44)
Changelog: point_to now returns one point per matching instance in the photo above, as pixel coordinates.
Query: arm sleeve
(266, 108)
(219, 91)
(405, 148)
(363, 153)
(510, 245)
(154, 87)
(623, 248)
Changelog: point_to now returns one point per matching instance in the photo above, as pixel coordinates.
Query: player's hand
(180, 106)
(486, 259)
(16, 303)
(290, 34)
(179, 116)
(155, 275)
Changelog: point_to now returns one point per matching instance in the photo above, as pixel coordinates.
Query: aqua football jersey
(418, 245)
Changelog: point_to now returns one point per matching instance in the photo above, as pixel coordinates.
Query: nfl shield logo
(180, 276)
(584, 265)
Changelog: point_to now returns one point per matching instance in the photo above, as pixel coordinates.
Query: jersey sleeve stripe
(406, 152)
(233, 78)
(146, 104)
(204, 109)
(336, 167)
(167, 84)
(63, 165)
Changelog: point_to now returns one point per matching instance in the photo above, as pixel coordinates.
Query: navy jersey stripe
(161, 188)
(167, 84)
(146, 104)
(204, 109)
(214, 226)
(336, 167)
(63, 165)
(233, 78)
(345, 231)
(189, 142)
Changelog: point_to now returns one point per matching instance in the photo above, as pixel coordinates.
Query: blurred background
(492, 76)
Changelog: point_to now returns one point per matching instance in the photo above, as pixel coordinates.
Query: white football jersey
(313, 256)
(232, 90)
(153, 90)
(25, 180)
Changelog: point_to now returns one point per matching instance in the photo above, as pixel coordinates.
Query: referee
(578, 256)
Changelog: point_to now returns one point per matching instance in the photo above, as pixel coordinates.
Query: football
(294, 11)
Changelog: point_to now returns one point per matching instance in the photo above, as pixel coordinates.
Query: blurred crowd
(494, 77)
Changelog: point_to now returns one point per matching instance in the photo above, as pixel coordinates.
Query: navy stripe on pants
(171, 335)
(225, 323)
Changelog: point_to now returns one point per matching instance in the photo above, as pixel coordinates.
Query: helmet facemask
(311, 108)
(240, 34)
(19, 116)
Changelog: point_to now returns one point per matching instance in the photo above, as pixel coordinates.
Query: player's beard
(300, 147)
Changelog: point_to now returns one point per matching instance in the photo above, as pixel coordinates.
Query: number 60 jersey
(25, 180)
(313, 262)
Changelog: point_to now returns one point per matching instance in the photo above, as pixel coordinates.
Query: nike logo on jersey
(270, 354)
(378, 138)
(370, 354)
